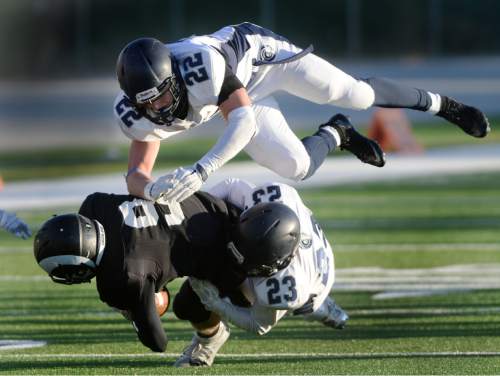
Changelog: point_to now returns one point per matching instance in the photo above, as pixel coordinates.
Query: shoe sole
(380, 155)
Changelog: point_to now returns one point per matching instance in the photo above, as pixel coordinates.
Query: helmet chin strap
(101, 241)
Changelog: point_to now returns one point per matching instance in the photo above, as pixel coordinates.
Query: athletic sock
(436, 103)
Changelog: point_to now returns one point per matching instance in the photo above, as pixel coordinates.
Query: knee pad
(187, 305)
(358, 96)
(295, 167)
(361, 95)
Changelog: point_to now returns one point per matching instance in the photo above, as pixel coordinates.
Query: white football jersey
(245, 49)
(311, 273)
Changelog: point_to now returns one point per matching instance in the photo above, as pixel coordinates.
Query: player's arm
(141, 160)
(14, 225)
(146, 320)
(256, 319)
(235, 106)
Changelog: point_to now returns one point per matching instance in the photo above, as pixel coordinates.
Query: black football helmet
(146, 70)
(265, 239)
(68, 247)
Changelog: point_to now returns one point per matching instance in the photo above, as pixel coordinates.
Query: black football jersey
(149, 244)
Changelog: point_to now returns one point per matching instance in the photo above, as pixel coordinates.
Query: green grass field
(416, 233)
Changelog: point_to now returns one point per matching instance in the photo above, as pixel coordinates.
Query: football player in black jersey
(134, 247)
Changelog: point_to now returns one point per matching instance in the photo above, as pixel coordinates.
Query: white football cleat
(329, 314)
(202, 351)
(337, 317)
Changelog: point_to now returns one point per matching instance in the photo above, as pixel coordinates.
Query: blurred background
(57, 78)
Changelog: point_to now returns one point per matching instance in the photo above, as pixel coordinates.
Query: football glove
(14, 225)
(155, 189)
(185, 181)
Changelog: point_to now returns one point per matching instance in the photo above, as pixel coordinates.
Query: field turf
(409, 238)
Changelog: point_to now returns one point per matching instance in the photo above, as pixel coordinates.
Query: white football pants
(310, 78)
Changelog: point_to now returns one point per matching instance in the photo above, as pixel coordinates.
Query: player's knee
(187, 305)
(296, 167)
(359, 96)
(362, 95)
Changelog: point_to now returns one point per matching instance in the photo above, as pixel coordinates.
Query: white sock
(436, 103)
(334, 133)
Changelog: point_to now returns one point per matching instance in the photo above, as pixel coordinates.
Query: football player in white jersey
(288, 262)
(14, 225)
(169, 88)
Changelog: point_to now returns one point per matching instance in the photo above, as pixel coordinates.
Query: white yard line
(421, 281)
(434, 247)
(11, 344)
(356, 355)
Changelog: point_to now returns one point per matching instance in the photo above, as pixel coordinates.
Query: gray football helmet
(265, 238)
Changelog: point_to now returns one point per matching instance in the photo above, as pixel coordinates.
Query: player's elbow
(136, 181)
(159, 347)
(156, 340)
(243, 119)
(156, 344)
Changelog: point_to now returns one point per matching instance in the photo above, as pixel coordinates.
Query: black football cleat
(367, 151)
(470, 119)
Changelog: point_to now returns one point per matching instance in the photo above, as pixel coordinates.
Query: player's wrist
(202, 171)
(147, 191)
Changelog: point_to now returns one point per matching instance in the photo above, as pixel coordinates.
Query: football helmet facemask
(69, 248)
(265, 239)
(146, 70)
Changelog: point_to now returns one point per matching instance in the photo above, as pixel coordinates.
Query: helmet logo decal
(267, 53)
(305, 241)
(147, 95)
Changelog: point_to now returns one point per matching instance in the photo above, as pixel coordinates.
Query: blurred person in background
(14, 225)
(169, 88)
(11, 223)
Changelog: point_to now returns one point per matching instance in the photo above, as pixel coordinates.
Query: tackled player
(134, 247)
(287, 259)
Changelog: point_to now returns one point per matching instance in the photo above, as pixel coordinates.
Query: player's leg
(340, 127)
(276, 146)
(315, 79)
(391, 94)
(210, 332)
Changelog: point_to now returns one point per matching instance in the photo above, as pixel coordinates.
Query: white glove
(14, 225)
(207, 292)
(186, 181)
(155, 189)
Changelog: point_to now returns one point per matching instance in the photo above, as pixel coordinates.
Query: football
(162, 301)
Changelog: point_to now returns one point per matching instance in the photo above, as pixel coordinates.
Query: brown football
(162, 301)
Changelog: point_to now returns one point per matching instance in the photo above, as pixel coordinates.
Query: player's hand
(14, 225)
(155, 189)
(207, 292)
(186, 181)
